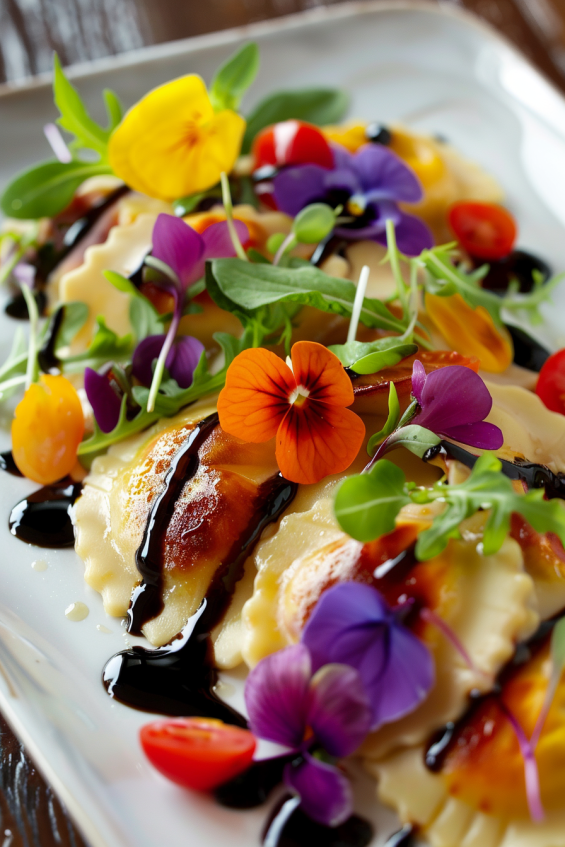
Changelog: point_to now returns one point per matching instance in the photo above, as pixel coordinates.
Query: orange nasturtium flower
(304, 406)
(172, 144)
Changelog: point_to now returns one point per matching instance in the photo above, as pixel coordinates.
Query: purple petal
(343, 159)
(144, 355)
(296, 187)
(25, 273)
(178, 246)
(484, 435)
(276, 696)
(218, 245)
(412, 235)
(381, 170)
(183, 359)
(325, 792)
(453, 396)
(339, 710)
(105, 402)
(418, 380)
(342, 179)
(407, 679)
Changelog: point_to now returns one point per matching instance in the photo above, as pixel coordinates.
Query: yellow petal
(172, 144)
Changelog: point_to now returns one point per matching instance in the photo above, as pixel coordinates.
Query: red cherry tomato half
(484, 230)
(199, 753)
(291, 143)
(550, 387)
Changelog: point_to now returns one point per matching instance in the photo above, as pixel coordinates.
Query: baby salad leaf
(391, 421)
(234, 78)
(244, 289)
(415, 438)
(114, 109)
(45, 190)
(74, 116)
(358, 503)
(316, 105)
(106, 346)
(144, 317)
(75, 315)
(370, 357)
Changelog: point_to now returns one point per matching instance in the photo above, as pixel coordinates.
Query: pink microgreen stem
(57, 143)
(430, 617)
(531, 771)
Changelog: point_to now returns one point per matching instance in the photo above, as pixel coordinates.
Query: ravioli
(478, 798)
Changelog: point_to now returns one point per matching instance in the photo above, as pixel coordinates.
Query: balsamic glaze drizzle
(528, 353)
(252, 787)
(288, 826)
(8, 465)
(179, 678)
(43, 518)
(403, 838)
(46, 358)
(535, 476)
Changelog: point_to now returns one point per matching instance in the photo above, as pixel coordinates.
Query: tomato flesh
(550, 386)
(291, 143)
(199, 753)
(484, 230)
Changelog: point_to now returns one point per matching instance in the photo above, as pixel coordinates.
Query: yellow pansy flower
(172, 144)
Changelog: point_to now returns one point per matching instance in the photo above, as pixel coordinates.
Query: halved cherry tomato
(484, 230)
(550, 387)
(291, 143)
(199, 753)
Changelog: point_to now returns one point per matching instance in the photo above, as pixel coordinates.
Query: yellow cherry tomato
(472, 332)
(47, 429)
(351, 136)
(420, 154)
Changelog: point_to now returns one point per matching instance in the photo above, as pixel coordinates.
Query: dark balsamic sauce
(8, 465)
(288, 826)
(179, 678)
(534, 476)
(328, 247)
(44, 518)
(252, 787)
(528, 353)
(519, 266)
(16, 307)
(46, 358)
(377, 133)
(147, 600)
(405, 837)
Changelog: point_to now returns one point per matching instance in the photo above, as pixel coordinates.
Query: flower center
(356, 205)
(298, 396)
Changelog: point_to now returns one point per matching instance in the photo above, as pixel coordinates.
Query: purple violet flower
(369, 184)
(454, 402)
(105, 401)
(352, 624)
(181, 362)
(292, 707)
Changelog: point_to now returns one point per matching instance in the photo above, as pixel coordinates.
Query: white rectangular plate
(439, 71)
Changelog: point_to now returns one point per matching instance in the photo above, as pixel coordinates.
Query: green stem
(32, 372)
(394, 259)
(226, 199)
(287, 244)
(160, 366)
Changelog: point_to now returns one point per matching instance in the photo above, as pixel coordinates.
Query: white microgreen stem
(165, 349)
(57, 142)
(358, 303)
(32, 371)
(531, 771)
(226, 200)
(287, 244)
(394, 259)
(166, 270)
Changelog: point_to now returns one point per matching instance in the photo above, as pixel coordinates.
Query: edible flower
(352, 624)
(369, 185)
(302, 402)
(291, 706)
(454, 402)
(180, 253)
(172, 144)
(106, 402)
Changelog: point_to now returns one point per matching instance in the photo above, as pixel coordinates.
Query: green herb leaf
(74, 116)
(316, 105)
(75, 315)
(414, 438)
(245, 289)
(372, 356)
(144, 317)
(391, 421)
(234, 78)
(366, 505)
(45, 190)
(114, 109)
(105, 346)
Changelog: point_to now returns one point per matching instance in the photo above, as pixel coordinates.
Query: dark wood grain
(80, 30)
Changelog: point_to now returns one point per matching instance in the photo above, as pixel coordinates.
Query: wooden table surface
(79, 30)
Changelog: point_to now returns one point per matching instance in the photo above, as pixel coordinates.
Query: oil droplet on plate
(76, 612)
(101, 628)
(39, 565)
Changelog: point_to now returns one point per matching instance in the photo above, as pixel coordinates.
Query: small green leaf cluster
(373, 356)
(366, 506)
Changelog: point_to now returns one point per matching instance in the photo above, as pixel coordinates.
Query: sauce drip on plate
(43, 518)
(288, 826)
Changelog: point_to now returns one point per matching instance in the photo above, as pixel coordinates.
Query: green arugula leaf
(370, 357)
(244, 289)
(75, 315)
(74, 116)
(45, 190)
(316, 105)
(391, 421)
(13, 371)
(366, 505)
(234, 78)
(144, 317)
(105, 346)
(486, 488)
